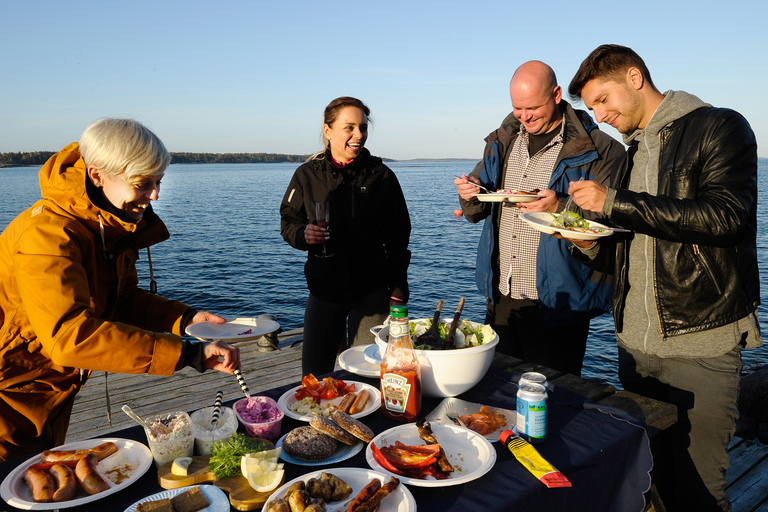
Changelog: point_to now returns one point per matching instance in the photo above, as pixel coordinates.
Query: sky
(254, 76)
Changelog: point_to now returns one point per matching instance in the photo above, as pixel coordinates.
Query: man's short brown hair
(607, 62)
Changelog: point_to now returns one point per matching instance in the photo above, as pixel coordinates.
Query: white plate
(506, 198)
(470, 454)
(400, 500)
(542, 221)
(127, 465)
(462, 407)
(374, 400)
(239, 329)
(343, 452)
(355, 360)
(217, 499)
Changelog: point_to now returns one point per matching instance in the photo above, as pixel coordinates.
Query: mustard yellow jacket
(70, 304)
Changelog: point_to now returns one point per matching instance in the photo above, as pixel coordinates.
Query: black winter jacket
(703, 222)
(369, 223)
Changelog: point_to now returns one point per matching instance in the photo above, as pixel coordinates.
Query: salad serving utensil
(450, 340)
(432, 337)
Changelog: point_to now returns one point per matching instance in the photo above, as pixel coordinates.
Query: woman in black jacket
(365, 265)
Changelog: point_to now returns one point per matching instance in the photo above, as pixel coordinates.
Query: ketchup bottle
(400, 371)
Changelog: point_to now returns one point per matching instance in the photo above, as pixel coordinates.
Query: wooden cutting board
(241, 494)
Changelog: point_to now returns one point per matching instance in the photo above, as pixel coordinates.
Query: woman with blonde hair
(357, 265)
(69, 296)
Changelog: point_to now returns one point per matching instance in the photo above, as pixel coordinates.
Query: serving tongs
(431, 338)
(450, 340)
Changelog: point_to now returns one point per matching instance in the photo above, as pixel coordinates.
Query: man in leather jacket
(686, 284)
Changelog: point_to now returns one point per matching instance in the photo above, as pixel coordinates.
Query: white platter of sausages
(131, 460)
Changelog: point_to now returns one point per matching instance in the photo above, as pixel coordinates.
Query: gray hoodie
(641, 320)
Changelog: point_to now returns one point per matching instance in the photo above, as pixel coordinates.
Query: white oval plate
(239, 329)
(470, 454)
(343, 452)
(217, 499)
(374, 401)
(355, 360)
(129, 463)
(542, 221)
(400, 500)
(507, 198)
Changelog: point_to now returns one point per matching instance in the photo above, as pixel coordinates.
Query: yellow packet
(527, 455)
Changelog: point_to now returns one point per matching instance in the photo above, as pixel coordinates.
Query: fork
(567, 205)
(450, 411)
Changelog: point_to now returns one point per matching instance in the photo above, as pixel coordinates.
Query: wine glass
(322, 219)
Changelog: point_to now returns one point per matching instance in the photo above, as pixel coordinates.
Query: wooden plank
(186, 390)
(751, 491)
(592, 389)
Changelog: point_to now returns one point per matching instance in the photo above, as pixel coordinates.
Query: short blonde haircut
(117, 146)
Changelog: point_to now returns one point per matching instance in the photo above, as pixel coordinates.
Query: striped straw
(216, 409)
(241, 381)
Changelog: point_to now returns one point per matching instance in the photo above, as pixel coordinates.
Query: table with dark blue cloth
(602, 451)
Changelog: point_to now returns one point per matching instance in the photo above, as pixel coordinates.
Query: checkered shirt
(518, 242)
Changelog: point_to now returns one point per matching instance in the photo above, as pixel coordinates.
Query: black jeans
(330, 328)
(521, 335)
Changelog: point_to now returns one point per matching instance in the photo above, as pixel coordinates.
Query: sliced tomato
(383, 460)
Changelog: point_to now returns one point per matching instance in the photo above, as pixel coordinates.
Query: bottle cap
(398, 311)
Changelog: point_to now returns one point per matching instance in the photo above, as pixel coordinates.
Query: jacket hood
(676, 104)
(63, 183)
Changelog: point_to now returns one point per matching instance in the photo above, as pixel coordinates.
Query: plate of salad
(578, 228)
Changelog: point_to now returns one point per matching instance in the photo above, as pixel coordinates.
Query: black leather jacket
(703, 222)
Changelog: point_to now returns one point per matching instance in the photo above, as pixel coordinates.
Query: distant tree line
(40, 157)
(235, 158)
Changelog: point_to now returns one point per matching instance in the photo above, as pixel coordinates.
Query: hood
(63, 183)
(676, 104)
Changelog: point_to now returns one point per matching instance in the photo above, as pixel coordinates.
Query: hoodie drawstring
(152, 282)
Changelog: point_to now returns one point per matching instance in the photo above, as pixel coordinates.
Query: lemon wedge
(258, 466)
(180, 466)
(266, 454)
(265, 482)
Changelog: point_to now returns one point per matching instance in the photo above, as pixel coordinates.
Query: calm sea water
(226, 255)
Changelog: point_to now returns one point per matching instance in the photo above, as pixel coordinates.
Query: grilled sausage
(364, 495)
(346, 402)
(66, 484)
(41, 484)
(102, 451)
(88, 476)
(360, 402)
(372, 504)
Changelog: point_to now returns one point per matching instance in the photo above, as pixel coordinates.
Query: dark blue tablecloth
(602, 451)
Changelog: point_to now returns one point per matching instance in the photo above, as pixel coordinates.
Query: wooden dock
(188, 390)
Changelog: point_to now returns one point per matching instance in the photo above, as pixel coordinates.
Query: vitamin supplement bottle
(400, 371)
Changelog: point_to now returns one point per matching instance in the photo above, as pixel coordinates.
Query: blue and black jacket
(568, 291)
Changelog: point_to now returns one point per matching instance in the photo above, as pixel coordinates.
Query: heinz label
(395, 389)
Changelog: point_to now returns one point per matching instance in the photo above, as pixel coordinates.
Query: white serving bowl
(446, 373)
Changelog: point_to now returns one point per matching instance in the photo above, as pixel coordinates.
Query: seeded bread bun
(308, 443)
(331, 429)
(353, 426)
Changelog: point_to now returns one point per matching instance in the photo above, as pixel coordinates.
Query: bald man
(539, 299)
